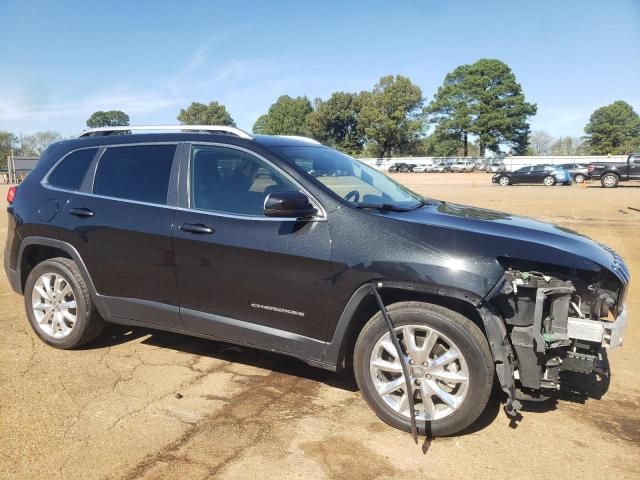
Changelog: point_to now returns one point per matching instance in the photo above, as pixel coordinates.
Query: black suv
(224, 235)
(401, 168)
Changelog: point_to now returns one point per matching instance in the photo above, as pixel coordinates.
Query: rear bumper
(13, 276)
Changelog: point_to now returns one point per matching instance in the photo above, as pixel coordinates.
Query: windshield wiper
(381, 206)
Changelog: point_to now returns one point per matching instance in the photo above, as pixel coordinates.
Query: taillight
(11, 194)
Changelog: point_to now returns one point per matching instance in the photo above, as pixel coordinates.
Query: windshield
(352, 180)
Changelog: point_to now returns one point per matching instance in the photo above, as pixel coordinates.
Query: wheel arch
(362, 306)
(34, 250)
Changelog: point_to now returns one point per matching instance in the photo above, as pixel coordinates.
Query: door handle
(81, 212)
(196, 228)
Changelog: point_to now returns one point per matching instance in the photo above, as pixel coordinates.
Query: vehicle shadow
(619, 186)
(538, 185)
(576, 387)
(117, 334)
(345, 380)
(488, 415)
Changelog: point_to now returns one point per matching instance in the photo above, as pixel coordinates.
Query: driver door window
(231, 181)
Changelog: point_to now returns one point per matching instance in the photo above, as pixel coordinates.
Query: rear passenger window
(135, 173)
(71, 171)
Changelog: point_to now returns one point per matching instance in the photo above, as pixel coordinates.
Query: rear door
(121, 224)
(538, 172)
(243, 276)
(634, 167)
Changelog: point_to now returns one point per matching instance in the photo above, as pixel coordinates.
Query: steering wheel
(352, 195)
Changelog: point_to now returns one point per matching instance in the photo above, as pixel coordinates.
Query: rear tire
(471, 373)
(609, 180)
(64, 316)
(549, 181)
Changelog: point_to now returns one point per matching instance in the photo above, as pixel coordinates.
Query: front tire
(504, 181)
(59, 305)
(451, 374)
(579, 178)
(609, 180)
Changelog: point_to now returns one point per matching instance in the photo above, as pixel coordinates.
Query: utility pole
(12, 169)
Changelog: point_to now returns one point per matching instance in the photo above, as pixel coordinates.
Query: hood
(502, 234)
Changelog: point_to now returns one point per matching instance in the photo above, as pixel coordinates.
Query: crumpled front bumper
(608, 334)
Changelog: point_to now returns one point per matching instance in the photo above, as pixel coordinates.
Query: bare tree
(568, 146)
(38, 142)
(541, 142)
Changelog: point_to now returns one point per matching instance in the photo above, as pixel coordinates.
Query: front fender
(335, 350)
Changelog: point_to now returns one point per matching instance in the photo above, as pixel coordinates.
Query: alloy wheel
(609, 181)
(549, 181)
(438, 372)
(54, 305)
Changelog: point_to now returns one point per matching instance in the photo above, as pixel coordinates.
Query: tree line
(612, 130)
(479, 108)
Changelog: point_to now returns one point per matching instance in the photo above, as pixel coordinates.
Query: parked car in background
(463, 166)
(401, 167)
(423, 168)
(441, 167)
(579, 172)
(546, 174)
(610, 174)
(496, 167)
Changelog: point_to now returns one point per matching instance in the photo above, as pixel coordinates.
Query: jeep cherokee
(284, 244)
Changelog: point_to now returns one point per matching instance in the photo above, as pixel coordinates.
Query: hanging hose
(403, 361)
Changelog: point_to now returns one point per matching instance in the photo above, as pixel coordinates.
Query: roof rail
(299, 137)
(104, 131)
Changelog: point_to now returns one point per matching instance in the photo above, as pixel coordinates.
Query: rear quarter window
(138, 173)
(72, 169)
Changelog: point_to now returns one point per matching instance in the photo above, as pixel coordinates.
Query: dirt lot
(142, 404)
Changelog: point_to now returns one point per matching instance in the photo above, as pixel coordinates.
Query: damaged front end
(559, 321)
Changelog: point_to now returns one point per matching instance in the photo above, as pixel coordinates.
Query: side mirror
(288, 204)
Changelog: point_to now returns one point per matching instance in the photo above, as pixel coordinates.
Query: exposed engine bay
(558, 323)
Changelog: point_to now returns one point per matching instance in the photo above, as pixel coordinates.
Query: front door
(243, 276)
(538, 173)
(522, 175)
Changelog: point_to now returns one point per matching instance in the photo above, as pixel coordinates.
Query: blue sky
(60, 61)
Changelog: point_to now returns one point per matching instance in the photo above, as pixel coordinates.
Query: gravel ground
(144, 404)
